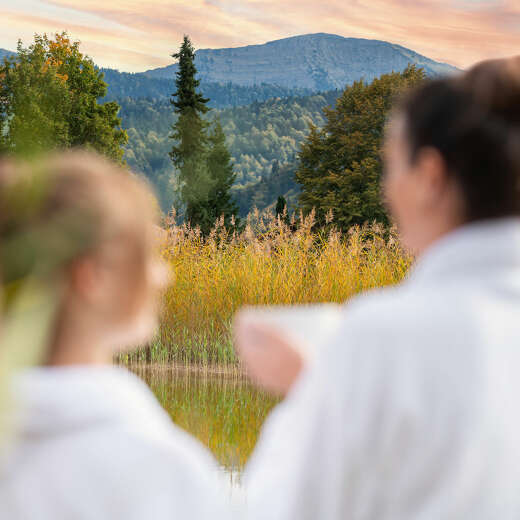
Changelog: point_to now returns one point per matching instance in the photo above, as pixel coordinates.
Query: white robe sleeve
(318, 451)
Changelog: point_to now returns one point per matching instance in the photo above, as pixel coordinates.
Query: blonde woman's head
(89, 226)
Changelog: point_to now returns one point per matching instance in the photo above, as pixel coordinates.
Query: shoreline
(236, 371)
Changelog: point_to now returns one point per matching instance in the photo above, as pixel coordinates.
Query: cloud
(141, 34)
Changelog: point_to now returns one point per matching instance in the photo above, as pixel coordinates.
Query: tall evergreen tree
(189, 133)
(340, 166)
(199, 153)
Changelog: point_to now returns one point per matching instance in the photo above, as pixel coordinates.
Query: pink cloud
(460, 32)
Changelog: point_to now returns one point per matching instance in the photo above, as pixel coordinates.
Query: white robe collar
(476, 249)
(57, 400)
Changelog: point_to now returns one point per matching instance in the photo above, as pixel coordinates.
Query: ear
(85, 280)
(432, 176)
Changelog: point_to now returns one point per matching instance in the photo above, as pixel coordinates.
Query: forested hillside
(259, 135)
(221, 95)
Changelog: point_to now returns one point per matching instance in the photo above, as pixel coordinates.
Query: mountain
(297, 66)
(5, 54)
(315, 61)
(265, 95)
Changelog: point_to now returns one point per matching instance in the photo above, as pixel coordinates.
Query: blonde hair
(65, 205)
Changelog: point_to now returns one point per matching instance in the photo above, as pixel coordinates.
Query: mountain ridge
(296, 65)
(4, 53)
(318, 62)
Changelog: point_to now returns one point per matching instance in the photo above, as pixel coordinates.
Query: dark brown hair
(473, 120)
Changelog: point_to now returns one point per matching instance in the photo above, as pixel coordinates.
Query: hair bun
(495, 87)
(473, 120)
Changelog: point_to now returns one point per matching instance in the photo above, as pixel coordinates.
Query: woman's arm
(271, 359)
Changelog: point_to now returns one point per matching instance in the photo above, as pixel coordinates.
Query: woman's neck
(76, 345)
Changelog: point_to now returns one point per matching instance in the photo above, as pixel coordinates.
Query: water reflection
(220, 407)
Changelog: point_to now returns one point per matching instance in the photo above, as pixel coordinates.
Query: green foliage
(340, 165)
(148, 125)
(186, 97)
(222, 175)
(122, 85)
(190, 140)
(257, 135)
(262, 133)
(263, 193)
(199, 154)
(48, 99)
(281, 206)
(32, 114)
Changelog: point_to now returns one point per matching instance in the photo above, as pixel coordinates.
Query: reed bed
(271, 261)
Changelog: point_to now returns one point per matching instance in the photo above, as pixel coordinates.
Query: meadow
(272, 260)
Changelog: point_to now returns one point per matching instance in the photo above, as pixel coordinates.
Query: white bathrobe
(95, 444)
(413, 411)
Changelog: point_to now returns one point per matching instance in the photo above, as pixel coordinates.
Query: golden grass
(270, 262)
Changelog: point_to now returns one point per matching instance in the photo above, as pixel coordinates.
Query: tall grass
(271, 261)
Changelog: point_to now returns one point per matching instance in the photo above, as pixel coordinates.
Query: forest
(260, 135)
(221, 95)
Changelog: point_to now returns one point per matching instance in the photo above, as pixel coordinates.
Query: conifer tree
(200, 153)
(281, 205)
(188, 152)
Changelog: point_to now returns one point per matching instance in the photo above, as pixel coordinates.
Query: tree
(281, 206)
(339, 165)
(49, 99)
(200, 154)
(222, 177)
(189, 133)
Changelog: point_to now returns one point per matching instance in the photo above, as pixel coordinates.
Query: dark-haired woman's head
(452, 152)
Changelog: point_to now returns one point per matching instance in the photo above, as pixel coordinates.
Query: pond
(219, 406)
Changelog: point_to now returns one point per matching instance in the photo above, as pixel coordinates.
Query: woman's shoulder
(392, 307)
(104, 428)
(106, 407)
(392, 327)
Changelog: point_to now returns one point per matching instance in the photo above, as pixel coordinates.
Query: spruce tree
(200, 153)
(189, 133)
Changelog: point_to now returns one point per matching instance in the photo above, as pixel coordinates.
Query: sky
(136, 35)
